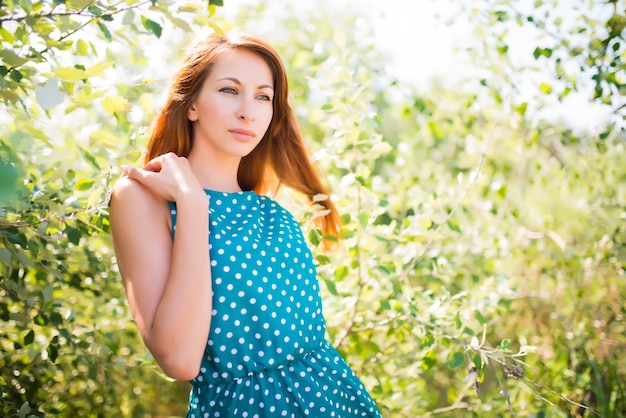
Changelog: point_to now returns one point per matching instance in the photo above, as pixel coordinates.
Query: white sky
(419, 44)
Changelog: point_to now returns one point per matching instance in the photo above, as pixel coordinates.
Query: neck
(214, 172)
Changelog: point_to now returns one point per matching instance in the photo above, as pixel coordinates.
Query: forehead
(244, 65)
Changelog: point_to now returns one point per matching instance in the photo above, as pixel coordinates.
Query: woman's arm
(168, 284)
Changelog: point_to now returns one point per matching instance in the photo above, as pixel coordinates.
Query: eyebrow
(236, 81)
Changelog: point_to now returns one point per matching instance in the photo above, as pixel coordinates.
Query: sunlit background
(475, 150)
(427, 41)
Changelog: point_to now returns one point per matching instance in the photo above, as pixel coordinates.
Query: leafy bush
(481, 269)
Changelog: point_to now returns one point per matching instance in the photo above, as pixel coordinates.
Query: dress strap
(173, 212)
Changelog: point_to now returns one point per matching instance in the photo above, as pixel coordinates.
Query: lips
(243, 134)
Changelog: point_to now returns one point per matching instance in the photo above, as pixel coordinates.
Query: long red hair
(280, 158)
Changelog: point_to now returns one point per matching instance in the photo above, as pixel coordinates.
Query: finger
(142, 176)
(155, 164)
(126, 168)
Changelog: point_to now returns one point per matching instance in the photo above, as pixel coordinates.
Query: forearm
(180, 328)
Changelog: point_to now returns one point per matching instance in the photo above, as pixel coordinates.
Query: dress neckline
(227, 193)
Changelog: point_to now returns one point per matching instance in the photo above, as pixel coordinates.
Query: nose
(246, 110)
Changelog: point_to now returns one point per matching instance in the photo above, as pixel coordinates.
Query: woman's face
(234, 107)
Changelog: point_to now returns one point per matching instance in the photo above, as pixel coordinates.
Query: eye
(264, 97)
(228, 90)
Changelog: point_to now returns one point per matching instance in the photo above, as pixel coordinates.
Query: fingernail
(126, 168)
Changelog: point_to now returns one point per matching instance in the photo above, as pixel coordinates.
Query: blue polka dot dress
(266, 355)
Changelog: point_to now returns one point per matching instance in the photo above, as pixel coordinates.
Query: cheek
(268, 114)
(210, 107)
(214, 109)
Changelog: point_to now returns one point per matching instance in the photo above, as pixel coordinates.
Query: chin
(245, 151)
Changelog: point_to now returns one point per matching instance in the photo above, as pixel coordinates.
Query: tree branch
(92, 18)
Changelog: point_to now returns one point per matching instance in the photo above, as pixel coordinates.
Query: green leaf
(56, 318)
(21, 413)
(105, 31)
(429, 360)
(128, 18)
(468, 331)
(545, 88)
(454, 226)
(364, 219)
(47, 293)
(40, 319)
(6, 35)
(323, 259)
(151, 26)
(70, 73)
(505, 345)
(79, 4)
(331, 287)
(436, 130)
(216, 2)
(315, 237)
(16, 76)
(84, 184)
(27, 5)
(89, 157)
(115, 104)
(428, 341)
(181, 23)
(457, 321)
(73, 234)
(82, 48)
(5, 256)
(29, 337)
(216, 28)
(53, 352)
(479, 317)
(478, 361)
(94, 10)
(190, 7)
(341, 273)
(542, 52)
(20, 33)
(456, 360)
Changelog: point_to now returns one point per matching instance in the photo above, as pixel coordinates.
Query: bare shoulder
(131, 201)
(127, 190)
(140, 230)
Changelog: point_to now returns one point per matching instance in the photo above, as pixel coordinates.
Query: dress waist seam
(257, 372)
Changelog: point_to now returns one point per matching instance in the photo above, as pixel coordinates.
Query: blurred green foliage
(482, 265)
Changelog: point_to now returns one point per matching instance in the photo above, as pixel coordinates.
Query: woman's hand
(168, 176)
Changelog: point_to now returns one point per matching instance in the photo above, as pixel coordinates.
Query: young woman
(218, 276)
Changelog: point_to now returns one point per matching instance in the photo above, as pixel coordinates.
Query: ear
(192, 113)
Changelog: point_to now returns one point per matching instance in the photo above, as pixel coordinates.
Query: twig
(361, 283)
(72, 32)
(563, 397)
(375, 325)
(350, 328)
(450, 215)
(437, 329)
(454, 406)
